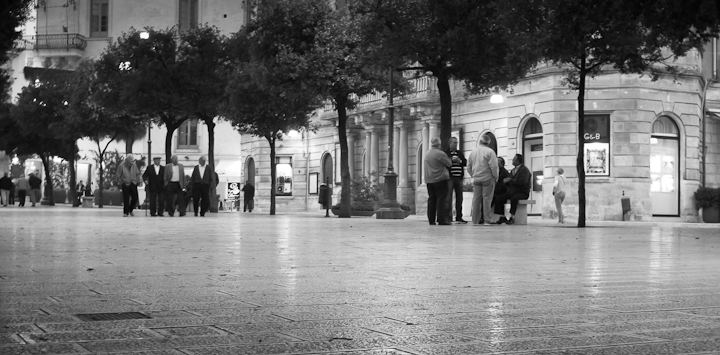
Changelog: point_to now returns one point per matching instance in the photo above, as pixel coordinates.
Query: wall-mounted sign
(596, 137)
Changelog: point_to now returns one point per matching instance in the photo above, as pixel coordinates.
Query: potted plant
(365, 193)
(708, 199)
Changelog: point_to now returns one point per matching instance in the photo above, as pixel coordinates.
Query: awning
(229, 170)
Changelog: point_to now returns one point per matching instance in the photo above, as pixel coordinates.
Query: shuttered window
(99, 18)
(188, 15)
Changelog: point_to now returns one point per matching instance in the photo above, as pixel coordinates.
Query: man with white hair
(128, 175)
(483, 167)
(436, 180)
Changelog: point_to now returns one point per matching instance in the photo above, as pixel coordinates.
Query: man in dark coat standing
(248, 196)
(34, 182)
(202, 178)
(155, 186)
(457, 177)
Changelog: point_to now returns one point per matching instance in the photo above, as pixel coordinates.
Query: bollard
(625, 203)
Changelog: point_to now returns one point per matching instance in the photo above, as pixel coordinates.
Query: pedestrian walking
(175, 184)
(436, 180)
(559, 193)
(202, 178)
(154, 178)
(129, 178)
(483, 168)
(518, 188)
(22, 188)
(35, 183)
(5, 186)
(248, 196)
(12, 191)
(457, 175)
(79, 189)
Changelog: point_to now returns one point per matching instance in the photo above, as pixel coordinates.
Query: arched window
(664, 126)
(532, 126)
(327, 169)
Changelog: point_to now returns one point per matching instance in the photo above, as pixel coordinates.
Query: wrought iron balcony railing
(420, 87)
(65, 41)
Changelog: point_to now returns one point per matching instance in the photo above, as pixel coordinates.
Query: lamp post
(390, 208)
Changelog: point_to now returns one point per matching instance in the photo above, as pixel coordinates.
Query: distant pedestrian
(436, 180)
(202, 178)
(88, 189)
(5, 186)
(248, 196)
(22, 188)
(457, 177)
(518, 188)
(154, 178)
(35, 183)
(79, 190)
(175, 184)
(559, 193)
(129, 178)
(12, 191)
(483, 168)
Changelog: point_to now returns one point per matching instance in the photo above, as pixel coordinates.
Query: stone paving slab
(235, 283)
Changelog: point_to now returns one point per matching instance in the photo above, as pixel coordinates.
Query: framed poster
(597, 145)
(233, 190)
(313, 183)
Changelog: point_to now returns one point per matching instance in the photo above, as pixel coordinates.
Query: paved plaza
(234, 283)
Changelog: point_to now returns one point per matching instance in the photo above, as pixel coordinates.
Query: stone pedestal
(390, 208)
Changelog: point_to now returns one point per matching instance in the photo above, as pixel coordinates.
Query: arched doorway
(327, 170)
(664, 167)
(533, 152)
(249, 172)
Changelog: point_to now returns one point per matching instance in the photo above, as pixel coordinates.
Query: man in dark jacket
(518, 188)
(457, 175)
(202, 178)
(35, 183)
(155, 186)
(5, 186)
(248, 196)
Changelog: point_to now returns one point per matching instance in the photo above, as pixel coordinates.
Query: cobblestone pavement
(234, 283)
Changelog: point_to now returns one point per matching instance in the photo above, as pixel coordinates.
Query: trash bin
(625, 202)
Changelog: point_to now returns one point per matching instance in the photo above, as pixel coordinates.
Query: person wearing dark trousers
(175, 184)
(79, 188)
(202, 177)
(248, 196)
(500, 188)
(22, 187)
(35, 183)
(5, 186)
(155, 186)
(457, 175)
(518, 188)
(128, 175)
(436, 180)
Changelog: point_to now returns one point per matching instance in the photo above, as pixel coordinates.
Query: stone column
(402, 162)
(375, 152)
(368, 140)
(396, 149)
(433, 128)
(425, 147)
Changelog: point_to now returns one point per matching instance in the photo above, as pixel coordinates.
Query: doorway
(534, 154)
(664, 167)
(250, 171)
(327, 170)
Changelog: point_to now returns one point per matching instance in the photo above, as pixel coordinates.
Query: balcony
(64, 41)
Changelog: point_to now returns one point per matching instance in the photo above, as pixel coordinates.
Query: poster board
(313, 183)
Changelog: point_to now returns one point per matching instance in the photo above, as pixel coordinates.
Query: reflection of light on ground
(285, 255)
(497, 334)
(660, 261)
(596, 260)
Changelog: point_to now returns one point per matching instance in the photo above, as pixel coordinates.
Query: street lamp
(390, 208)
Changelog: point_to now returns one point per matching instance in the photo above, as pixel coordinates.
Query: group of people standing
(166, 186)
(493, 185)
(25, 187)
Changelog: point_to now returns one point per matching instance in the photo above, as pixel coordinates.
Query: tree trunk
(273, 173)
(211, 160)
(443, 84)
(72, 194)
(101, 178)
(171, 128)
(581, 145)
(345, 195)
(129, 140)
(48, 190)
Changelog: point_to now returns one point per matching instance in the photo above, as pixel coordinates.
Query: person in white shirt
(559, 193)
(175, 184)
(483, 167)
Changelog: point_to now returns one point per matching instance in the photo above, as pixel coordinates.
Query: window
(283, 171)
(188, 135)
(99, 18)
(188, 15)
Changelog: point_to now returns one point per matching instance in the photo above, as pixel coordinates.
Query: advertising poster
(597, 145)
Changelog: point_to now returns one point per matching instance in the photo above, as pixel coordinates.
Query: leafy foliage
(707, 197)
(14, 14)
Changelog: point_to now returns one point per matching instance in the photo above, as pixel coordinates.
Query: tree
(203, 60)
(345, 71)
(267, 95)
(586, 37)
(90, 119)
(478, 42)
(141, 79)
(14, 14)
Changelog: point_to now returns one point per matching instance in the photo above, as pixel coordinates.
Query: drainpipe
(704, 115)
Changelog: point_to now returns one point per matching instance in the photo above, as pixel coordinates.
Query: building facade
(655, 142)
